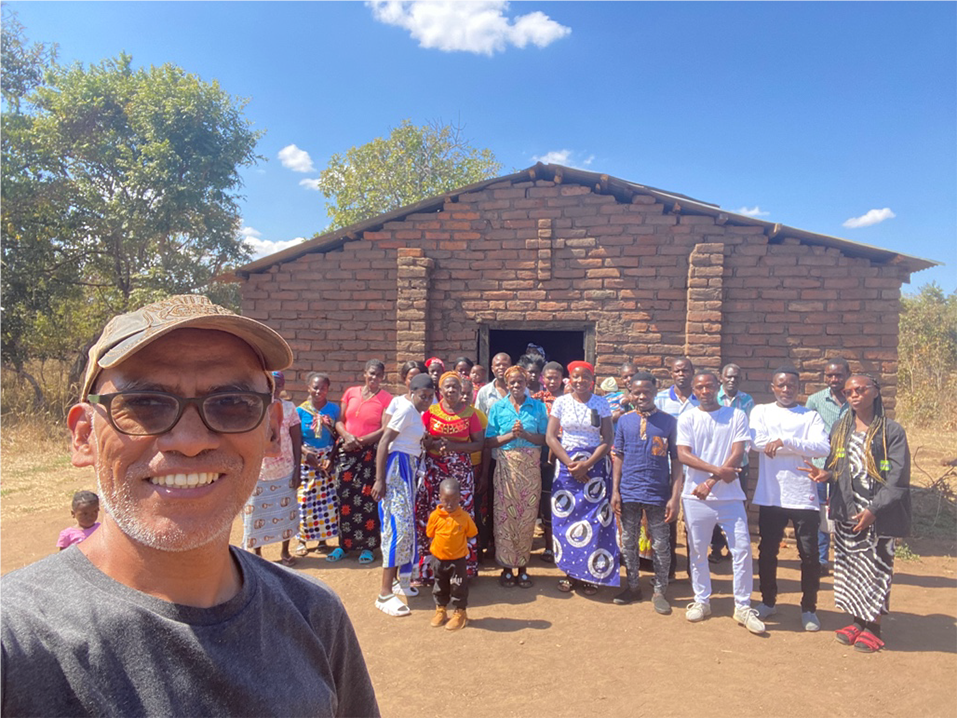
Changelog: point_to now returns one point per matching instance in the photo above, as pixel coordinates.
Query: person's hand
(579, 471)
(726, 473)
(814, 473)
(616, 503)
(702, 490)
(671, 510)
(771, 448)
(350, 443)
(297, 477)
(326, 420)
(378, 490)
(864, 519)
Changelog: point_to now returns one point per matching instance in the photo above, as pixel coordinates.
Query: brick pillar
(705, 288)
(412, 303)
(542, 246)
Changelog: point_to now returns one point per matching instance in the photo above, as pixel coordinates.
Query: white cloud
(563, 157)
(309, 183)
(754, 211)
(874, 216)
(474, 26)
(260, 247)
(296, 159)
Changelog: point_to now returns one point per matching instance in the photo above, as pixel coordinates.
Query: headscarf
(609, 384)
(581, 365)
(431, 360)
(516, 368)
(446, 375)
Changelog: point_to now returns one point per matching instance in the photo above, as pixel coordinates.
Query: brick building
(586, 265)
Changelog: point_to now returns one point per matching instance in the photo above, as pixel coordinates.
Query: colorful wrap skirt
(583, 523)
(397, 513)
(318, 505)
(437, 469)
(518, 488)
(358, 511)
(271, 514)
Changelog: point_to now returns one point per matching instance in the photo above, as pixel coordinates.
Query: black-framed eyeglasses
(147, 413)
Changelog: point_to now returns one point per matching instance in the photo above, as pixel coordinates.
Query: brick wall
(653, 282)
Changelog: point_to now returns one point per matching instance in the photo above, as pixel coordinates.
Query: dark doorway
(560, 345)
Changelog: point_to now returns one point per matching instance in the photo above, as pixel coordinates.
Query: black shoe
(825, 571)
(629, 595)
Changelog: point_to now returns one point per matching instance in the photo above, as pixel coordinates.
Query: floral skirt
(437, 469)
(518, 487)
(358, 511)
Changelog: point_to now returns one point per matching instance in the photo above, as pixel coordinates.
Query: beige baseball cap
(126, 334)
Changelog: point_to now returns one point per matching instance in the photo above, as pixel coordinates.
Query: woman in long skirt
(869, 471)
(516, 427)
(454, 431)
(359, 427)
(318, 508)
(397, 459)
(583, 524)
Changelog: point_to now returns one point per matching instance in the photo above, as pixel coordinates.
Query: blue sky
(838, 118)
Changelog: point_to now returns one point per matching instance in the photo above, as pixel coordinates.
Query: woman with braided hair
(869, 471)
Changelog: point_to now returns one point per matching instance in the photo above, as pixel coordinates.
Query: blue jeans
(823, 538)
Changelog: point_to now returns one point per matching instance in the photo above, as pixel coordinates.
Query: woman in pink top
(359, 428)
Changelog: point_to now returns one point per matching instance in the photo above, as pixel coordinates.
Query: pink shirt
(75, 534)
(363, 416)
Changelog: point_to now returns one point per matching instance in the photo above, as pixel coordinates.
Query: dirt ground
(538, 652)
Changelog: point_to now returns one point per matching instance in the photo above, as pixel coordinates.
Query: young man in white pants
(712, 440)
(788, 435)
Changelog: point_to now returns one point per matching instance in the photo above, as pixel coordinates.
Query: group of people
(606, 472)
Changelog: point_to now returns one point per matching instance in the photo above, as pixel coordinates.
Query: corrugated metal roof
(603, 184)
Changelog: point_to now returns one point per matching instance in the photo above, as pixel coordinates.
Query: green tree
(153, 158)
(927, 374)
(411, 164)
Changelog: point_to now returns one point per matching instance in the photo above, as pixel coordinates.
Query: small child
(478, 376)
(86, 509)
(450, 528)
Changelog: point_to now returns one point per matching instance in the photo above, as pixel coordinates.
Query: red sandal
(848, 635)
(867, 642)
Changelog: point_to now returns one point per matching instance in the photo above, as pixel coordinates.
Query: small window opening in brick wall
(565, 345)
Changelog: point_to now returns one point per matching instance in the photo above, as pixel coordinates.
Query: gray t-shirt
(75, 642)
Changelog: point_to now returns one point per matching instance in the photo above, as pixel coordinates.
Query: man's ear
(274, 436)
(80, 421)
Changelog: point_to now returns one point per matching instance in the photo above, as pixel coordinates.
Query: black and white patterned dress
(863, 562)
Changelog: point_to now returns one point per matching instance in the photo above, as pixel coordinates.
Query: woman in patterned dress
(359, 428)
(583, 524)
(454, 430)
(516, 427)
(318, 507)
(869, 471)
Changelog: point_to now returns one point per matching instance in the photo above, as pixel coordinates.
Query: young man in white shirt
(711, 444)
(787, 434)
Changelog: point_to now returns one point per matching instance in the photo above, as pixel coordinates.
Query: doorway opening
(563, 345)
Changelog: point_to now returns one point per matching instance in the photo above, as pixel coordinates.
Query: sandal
(848, 635)
(589, 589)
(524, 581)
(337, 555)
(867, 642)
(287, 561)
(392, 605)
(300, 550)
(400, 589)
(507, 578)
(366, 556)
(566, 585)
(547, 556)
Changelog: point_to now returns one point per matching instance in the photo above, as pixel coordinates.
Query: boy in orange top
(450, 528)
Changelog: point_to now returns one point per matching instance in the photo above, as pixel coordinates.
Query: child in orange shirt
(450, 528)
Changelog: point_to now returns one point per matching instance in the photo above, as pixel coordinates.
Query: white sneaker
(748, 617)
(697, 611)
(403, 589)
(765, 611)
(810, 621)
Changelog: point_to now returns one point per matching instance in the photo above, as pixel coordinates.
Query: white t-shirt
(575, 418)
(408, 422)
(710, 435)
(805, 437)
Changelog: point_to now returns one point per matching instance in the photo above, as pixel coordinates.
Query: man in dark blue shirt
(647, 478)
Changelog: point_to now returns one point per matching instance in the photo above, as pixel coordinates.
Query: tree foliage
(927, 375)
(411, 164)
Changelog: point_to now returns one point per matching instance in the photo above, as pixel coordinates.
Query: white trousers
(731, 517)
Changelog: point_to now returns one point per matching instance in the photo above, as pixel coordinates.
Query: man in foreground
(155, 613)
